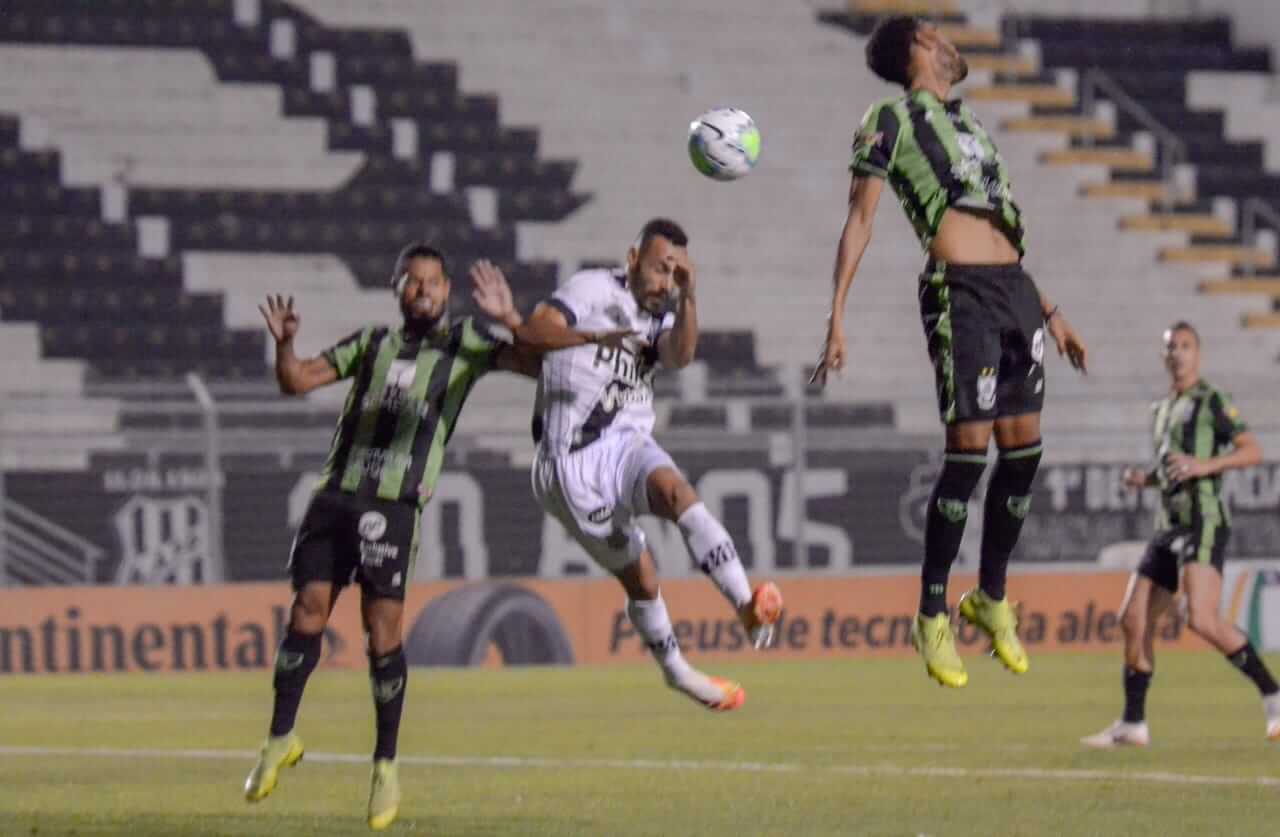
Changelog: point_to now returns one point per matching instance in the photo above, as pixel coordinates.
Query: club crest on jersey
(987, 389)
(372, 526)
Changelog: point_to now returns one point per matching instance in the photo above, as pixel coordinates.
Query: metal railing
(1251, 209)
(39, 551)
(1172, 151)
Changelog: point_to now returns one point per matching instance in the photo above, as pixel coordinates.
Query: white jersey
(589, 391)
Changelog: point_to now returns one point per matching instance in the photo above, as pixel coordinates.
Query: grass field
(819, 748)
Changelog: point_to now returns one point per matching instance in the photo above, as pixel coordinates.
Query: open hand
(282, 321)
(492, 293)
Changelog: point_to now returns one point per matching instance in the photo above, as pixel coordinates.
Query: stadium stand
(164, 170)
(764, 253)
(450, 150)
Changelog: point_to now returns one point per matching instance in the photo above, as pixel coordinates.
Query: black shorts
(1172, 549)
(345, 538)
(986, 340)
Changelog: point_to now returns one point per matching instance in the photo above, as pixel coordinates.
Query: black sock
(944, 524)
(1135, 695)
(1251, 665)
(388, 674)
(1008, 499)
(295, 660)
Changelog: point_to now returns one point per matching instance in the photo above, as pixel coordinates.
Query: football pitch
(853, 747)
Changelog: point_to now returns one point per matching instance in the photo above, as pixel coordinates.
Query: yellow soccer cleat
(932, 637)
(384, 794)
(999, 622)
(277, 752)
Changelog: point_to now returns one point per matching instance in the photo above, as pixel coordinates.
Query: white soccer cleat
(1119, 734)
(1271, 708)
(715, 693)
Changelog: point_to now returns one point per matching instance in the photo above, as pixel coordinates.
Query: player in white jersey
(598, 469)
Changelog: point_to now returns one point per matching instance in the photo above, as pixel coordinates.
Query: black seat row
(92, 303)
(371, 203)
(231, 232)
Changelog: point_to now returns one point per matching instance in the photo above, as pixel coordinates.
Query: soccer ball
(724, 143)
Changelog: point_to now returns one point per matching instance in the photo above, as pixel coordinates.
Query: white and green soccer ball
(724, 143)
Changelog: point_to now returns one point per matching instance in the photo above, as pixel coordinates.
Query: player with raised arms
(983, 316)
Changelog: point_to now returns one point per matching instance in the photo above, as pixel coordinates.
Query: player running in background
(1197, 434)
(983, 317)
(409, 385)
(598, 467)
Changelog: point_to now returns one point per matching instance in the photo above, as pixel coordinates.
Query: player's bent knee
(670, 494)
(384, 637)
(309, 614)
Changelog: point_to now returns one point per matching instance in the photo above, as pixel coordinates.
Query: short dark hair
(1181, 325)
(665, 228)
(416, 250)
(889, 50)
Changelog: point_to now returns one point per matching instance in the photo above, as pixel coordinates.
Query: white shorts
(598, 493)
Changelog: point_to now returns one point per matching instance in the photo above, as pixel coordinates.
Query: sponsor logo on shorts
(1037, 346)
(987, 389)
(372, 526)
(376, 554)
(600, 515)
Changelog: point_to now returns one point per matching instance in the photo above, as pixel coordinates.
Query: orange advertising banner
(522, 622)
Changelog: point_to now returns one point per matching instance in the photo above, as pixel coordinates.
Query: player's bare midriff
(968, 238)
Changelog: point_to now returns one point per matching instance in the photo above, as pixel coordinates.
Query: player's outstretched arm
(864, 196)
(677, 347)
(295, 375)
(545, 331)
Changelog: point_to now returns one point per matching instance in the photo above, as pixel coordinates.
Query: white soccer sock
(651, 620)
(713, 549)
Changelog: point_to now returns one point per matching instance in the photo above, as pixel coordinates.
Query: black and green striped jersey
(402, 407)
(936, 155)
(1201, 422)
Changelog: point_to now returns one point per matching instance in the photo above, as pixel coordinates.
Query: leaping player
(983, 317)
